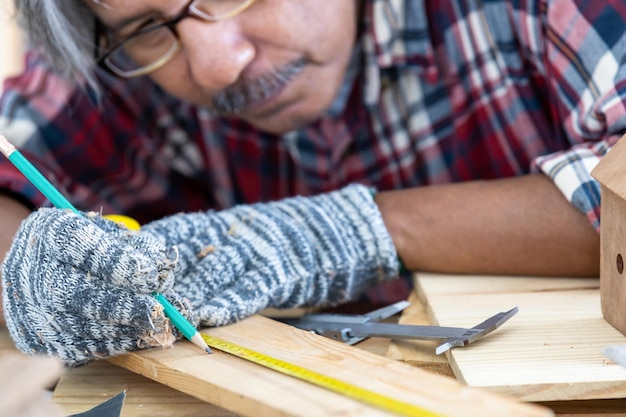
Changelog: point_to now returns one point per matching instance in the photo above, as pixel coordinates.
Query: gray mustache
(237, 97)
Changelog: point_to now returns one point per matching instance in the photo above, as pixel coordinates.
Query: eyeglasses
(153, 46)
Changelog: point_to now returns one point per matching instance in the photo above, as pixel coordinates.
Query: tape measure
(130, 223)
(349, 390)
(333, 384)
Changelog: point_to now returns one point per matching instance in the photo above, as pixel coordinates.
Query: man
(474, 125)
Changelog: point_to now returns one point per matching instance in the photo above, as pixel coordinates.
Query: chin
(282, 116)
(286, 116)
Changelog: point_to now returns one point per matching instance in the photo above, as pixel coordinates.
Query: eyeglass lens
(150, 49)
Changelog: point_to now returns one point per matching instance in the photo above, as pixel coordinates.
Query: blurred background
(11, 42)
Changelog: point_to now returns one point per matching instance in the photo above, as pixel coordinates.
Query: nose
(217, 53)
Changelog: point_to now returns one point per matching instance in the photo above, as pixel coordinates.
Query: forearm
(12, 213)
(520, 225)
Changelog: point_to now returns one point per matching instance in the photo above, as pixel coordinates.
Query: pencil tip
(208, 350)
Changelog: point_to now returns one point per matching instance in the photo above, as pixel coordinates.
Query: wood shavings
(207, 250)
(161, 334)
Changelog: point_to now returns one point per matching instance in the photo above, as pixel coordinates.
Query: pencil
(33, 175)
(58, 200)
(181, 323)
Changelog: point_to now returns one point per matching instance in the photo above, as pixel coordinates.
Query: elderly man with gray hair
(284, 153)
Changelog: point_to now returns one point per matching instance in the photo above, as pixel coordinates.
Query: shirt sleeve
(104, 153)
(585, 48)
(28, 106)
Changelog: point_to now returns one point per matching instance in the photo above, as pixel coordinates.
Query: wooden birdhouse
(611, 173)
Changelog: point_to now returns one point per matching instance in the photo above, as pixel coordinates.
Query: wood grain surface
(420, 353)
(83, 388)
(251, 390)
(79, 390)
(550, 351)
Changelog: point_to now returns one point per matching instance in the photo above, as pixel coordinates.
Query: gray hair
(64, 31)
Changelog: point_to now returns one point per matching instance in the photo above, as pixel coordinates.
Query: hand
(79, 287)
(314, 251)
(25, 387)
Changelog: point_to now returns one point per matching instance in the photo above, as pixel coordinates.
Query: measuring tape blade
(349, 390)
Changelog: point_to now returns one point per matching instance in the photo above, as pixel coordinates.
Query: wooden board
(6, 344)
(251, 390)
(419, 353)
(83, 388)
(550, 351)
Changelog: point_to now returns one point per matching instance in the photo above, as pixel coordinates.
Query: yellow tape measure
(130, 223)
(361, 394)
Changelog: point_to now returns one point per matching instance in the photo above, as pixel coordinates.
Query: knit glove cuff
(350, 243)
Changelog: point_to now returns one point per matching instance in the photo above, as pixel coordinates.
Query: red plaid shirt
(442, 92)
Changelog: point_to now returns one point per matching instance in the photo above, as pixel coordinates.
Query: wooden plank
(550, 351)
(441, 284)
(6, 344)
(420, 353)
(588, 408)
(83, 388)
(251, 390)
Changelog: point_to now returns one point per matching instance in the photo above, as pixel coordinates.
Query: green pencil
(58, 200)
(34, 176)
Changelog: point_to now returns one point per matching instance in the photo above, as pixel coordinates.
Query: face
(278, 65)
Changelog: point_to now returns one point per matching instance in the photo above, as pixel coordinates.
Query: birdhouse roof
(611, 170)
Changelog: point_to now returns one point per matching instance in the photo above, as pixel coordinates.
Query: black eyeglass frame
(187, 11)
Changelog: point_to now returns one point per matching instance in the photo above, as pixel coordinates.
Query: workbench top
(81, 389)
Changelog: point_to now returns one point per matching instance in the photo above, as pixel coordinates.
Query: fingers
(76, 348)
(80, 320)
(69, 290)
(80, 291)
(128, 259)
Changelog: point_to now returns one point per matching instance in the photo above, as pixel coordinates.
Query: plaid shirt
(441, 92)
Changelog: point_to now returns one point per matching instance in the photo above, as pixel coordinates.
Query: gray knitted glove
(314, 251)
(79, 287)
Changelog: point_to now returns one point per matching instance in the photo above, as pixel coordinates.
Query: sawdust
(207, 250)
(161, 335)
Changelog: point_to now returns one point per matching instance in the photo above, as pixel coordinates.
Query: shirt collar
(352, 71)
(395, 34)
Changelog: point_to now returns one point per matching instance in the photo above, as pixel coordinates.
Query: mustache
(237, 97)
